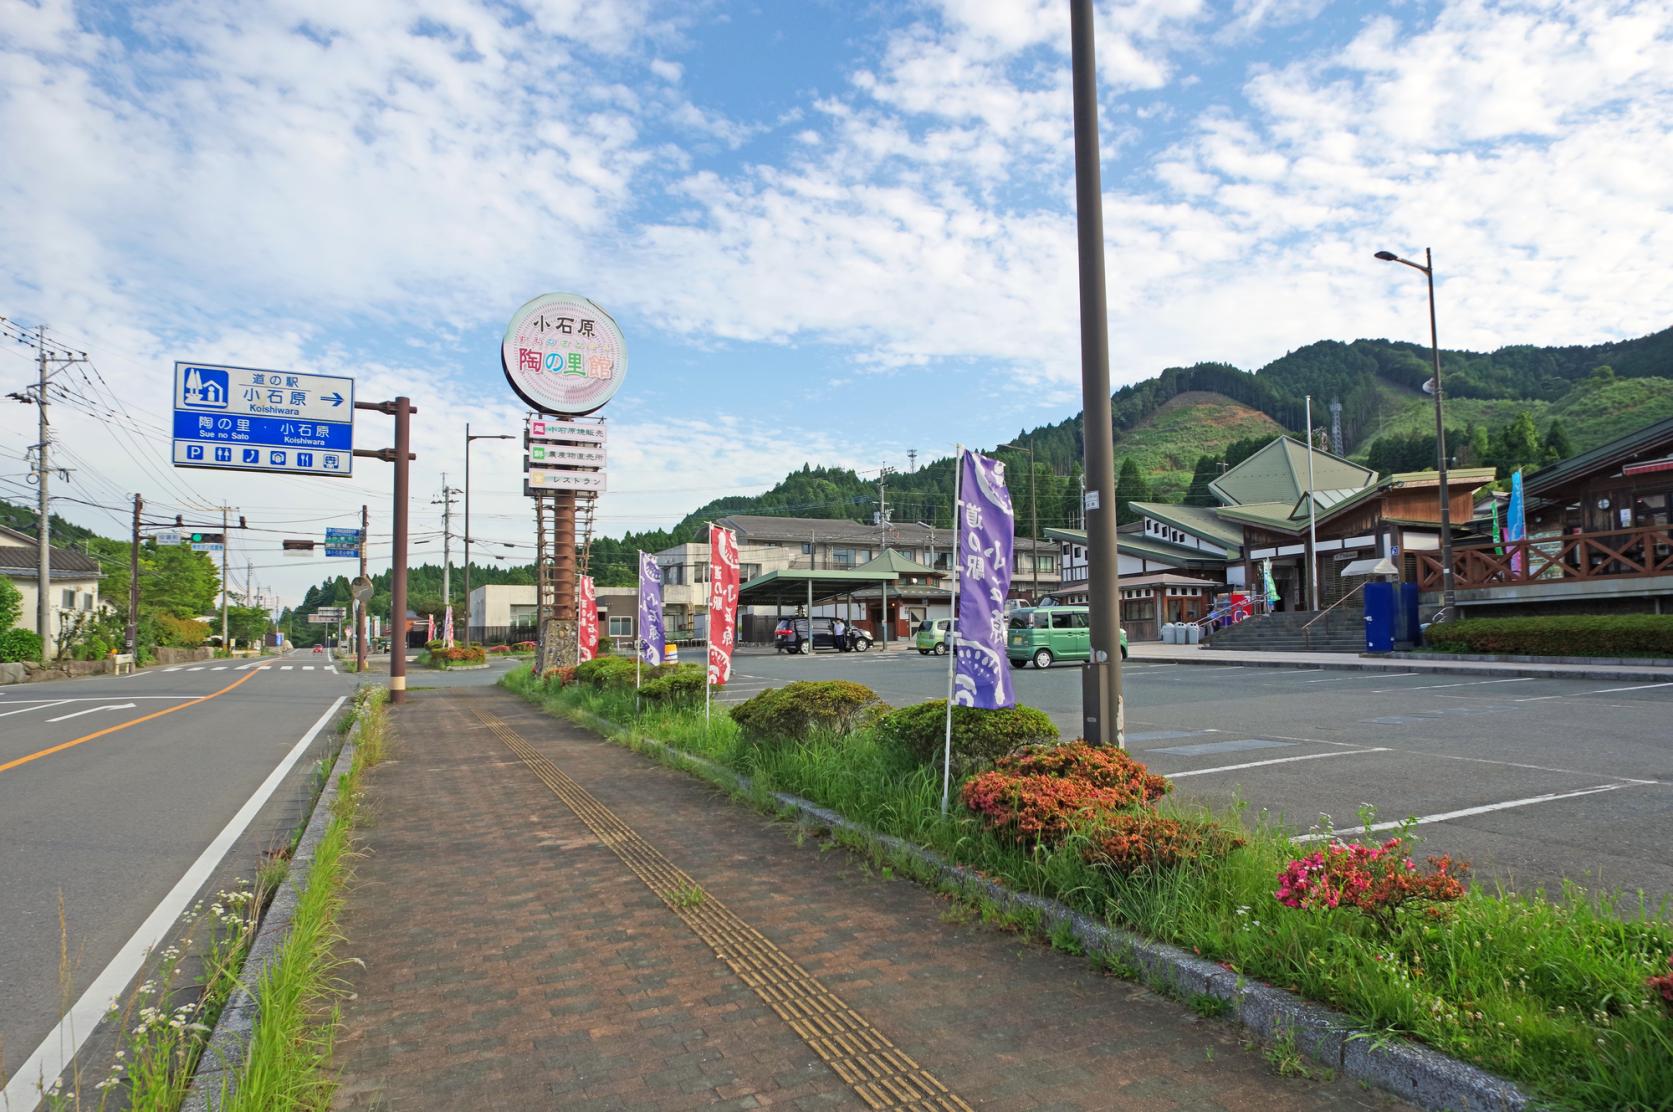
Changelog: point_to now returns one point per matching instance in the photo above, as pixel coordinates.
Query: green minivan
(1045, 634)
(932, 636)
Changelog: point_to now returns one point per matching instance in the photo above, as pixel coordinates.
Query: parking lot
(1531, 779)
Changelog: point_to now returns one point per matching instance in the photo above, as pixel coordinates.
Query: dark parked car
(791, 636)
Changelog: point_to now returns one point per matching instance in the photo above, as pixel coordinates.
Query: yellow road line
(883, 1075)
(63, 745)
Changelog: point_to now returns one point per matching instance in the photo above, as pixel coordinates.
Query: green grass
(1166, 445)
(298, 992)
(1547, 990)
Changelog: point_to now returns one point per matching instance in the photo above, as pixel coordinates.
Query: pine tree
(1130, 487)
(1208, 469)
(1557, 446)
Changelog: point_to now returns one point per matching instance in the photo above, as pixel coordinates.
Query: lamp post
(469, 436)
(1034, 515)
(1427, 266)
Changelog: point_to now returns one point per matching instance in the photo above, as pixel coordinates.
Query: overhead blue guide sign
(248, 419)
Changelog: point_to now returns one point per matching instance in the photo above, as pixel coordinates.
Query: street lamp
(1034, 514)
(468, 438)
(1448, 597)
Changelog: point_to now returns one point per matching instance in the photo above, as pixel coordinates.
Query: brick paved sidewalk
(514, 960)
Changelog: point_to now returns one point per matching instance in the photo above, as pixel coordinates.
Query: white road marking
(61, 1045)
(286, 667)
(219, 668)
(307, 667)
(1467, 812)
(199, 668)
(90, 710)
(23, 710)
(1640, 687)
(1274, 761)
(1465, 683)
(329, 668)
(176, 668)
(1364, 676)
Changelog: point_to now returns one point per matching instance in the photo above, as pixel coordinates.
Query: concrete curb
(222, 1060)
(1425, 1077)
(1420, 664)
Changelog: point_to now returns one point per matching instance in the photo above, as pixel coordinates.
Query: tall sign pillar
(565, 357)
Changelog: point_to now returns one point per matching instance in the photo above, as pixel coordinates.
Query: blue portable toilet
(1411, 629)
(1379, 617)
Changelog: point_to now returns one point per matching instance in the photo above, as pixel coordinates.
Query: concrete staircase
(1340, 631)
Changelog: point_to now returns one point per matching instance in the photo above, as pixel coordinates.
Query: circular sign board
(564, 355)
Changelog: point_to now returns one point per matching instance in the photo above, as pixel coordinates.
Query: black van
(791, 636)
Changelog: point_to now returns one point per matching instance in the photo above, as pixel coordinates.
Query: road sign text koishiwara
(252, 419)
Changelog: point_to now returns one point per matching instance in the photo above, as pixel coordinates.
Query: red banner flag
(723, 603)
(588, 614)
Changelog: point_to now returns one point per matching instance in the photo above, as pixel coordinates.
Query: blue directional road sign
(342, 542)
(248, 419)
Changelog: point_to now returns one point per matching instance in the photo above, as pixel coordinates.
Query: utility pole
(37, 394)
(131, 635)
(226, 643)
(446, 502)
(360, 648)
(1102, 712)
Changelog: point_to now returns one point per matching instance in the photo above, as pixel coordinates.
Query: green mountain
(1178, 427)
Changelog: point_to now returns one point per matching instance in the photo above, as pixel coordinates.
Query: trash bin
(1193, 633)
(1170, 634)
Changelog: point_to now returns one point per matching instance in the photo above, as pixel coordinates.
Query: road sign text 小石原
(250, 419)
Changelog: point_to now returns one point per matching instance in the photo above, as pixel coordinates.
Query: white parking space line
(1467, 812)
(1364, 676)
(1639, 687)
(1274, 761)
(25, 710)
(1465, 683)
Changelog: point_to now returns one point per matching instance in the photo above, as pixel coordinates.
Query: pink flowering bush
(1376, 881)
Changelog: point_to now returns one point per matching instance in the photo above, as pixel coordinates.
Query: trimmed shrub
(558, 677)
(1131, 841)
(524, 647)
(19, 644)
(182, 633)
(681, 684)
(499, 650)
(438, 643)
(1377, 881)
(1042, 793)
(1558, 635)
(606, 672)
(980, 737)
(792, 712)
(458, 654)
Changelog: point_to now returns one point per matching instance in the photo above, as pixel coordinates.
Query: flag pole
(952, 633)
(708, 624)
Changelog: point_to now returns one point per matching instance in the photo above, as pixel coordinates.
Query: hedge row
(1558, 635)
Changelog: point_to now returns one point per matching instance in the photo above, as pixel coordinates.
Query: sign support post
(360, 617)
(402, 410)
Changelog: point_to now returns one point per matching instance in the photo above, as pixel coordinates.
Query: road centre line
(63, 745)
(1467, 812)
(1465, 683)
(64, 1042)
(1273, 761)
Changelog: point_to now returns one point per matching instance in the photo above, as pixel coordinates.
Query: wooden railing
(1615, 554)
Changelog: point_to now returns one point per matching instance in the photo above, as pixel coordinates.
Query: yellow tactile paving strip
(881, 1073)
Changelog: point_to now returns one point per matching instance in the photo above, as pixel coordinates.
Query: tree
(1208, 469)
(1130, 487)
(11, 604)
(1556, 446)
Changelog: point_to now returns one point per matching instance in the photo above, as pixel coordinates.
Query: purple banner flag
(651, 641)
(984, 528)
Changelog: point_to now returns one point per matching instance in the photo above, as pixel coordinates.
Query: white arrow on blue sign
(250, 419)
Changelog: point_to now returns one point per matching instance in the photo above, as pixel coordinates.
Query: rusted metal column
(398, 559)
(563, 614)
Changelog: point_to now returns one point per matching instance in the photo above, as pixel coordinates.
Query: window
(69, 599)
(1063, 621)
(842, 557)
(673, 575)
(622, 626)
(746, 572)
(807, 548)
(87, 602)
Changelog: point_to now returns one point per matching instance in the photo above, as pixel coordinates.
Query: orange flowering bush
(1128, 842)
(1041, 793)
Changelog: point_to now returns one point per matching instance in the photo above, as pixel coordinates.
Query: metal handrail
(1332, 606)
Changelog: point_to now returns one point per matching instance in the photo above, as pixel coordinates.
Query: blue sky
(831, 231)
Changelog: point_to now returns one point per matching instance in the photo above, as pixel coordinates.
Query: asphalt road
(113, 823)
(1531, 779)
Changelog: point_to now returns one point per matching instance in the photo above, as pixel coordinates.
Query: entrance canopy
(797, 586)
